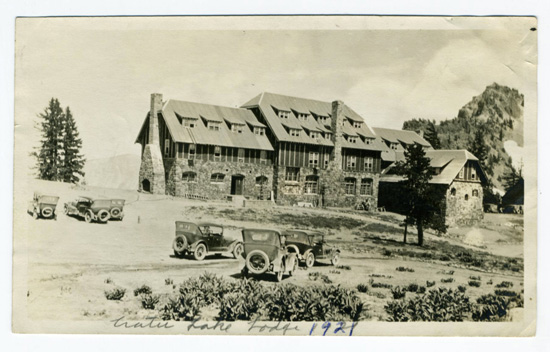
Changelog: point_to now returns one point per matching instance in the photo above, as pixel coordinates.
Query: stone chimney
(156, 107)
(337, 129)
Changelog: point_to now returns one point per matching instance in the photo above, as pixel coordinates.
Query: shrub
(506, 293)
(461, 288)
(149, 301)
(337, 272)
(430, 283)
(421, 290)
(474, 283)
(398, 292)
(379, 284)
(362, 288)
(115, 294)
(445, 272)
(490, 308)
(412, 287)
(108, 280)
(376, 294)
(437, 305)
(381, 275)
(143, 290)
(505, 284)
(490, 282)
(448, 280)
(476, 278)
(386, 253)
(168, 281)
(402, 269)
(343, 267)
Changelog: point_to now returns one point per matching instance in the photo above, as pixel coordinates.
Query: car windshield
(262, 236)
(211, 230)
(296, 236)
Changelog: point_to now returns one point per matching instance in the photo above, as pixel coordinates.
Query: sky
(106, 70)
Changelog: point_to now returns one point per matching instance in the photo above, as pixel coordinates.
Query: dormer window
(302, 117)
(357, 124)
(283, 114)
(188, 122)
(393, 146)
(352, 139)
(214, 125)
(237, 128)
(328, 136)
(322, 119)
(260, 131)
(314, 134)
(294, 132)
(369, 140)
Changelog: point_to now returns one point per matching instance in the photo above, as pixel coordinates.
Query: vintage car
(90, 209)
(43, 206)
(202, 239)
(310, 246)
(117, 209)
(265, 251)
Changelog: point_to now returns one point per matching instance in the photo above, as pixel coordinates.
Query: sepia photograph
(275, 175)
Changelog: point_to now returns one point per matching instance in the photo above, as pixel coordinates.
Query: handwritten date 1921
(337, 328)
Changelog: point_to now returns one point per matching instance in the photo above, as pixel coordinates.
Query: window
(217, 153)
(283, 114)
(327, 159)
(369, 163)
(188, 122)
(166, 147)
(349, 185)
(465, 197)
(366, 187)
(189, 177)
(214, 125)
(292, 174)
(263, 157)
(474, 174)
(314, 134)
(240, 156)
(369, 140)
(453, 192)
(237, 128)
(322, 119)
(475, 193)
(259, 131)
(302, 117)
(356, 124)
(328, 135)
(313, 159)
(311, 185)
(352, 139)
(393, 146)
(217, 178)
(294, 132)
(461, 173)
(261, 180)
(191, 151)
(351, 162)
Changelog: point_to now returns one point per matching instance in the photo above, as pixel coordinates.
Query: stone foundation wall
(331, 188)
(203, 187)
(152, 170)
(462, 212)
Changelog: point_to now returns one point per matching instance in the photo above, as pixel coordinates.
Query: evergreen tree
(58, 158)
(478, 147)
(431, 136)
(510, 178)
(48, 157)
(73, 161)
(420, 198)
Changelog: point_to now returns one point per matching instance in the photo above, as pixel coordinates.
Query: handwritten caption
(331, 328)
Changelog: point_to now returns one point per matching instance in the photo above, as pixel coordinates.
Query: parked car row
(264, 250)
(89, 209)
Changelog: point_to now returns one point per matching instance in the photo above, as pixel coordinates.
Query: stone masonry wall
(152, 169)
(462, 212)
(203, 186)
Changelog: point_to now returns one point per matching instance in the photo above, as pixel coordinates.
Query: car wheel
(200, 252)
(103, 215)
(238, 250)
(179, 245)
(257, 262)
(88, 217)
(115, 212)
(47, 212)
(335, 259)
(310, 260)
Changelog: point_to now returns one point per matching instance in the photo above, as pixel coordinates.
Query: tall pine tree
(431, 136)
(478, 146)
(58, 158)
(48, 157)
(73, 162)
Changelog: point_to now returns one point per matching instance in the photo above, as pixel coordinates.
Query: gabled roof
(269, 103)
(450, 162)
(400, 136)
(200, 134)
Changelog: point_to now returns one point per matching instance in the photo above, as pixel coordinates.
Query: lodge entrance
(237, 185)
(146, 185)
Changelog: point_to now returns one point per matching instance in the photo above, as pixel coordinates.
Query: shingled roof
(270, 103)
(173, 111)
(449, 161)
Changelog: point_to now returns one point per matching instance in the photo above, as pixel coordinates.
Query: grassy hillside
(498, 111)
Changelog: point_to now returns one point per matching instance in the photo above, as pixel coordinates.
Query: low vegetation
(404, 269)
(115, 294)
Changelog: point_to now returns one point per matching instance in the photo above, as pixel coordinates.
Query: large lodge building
(274, 147)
